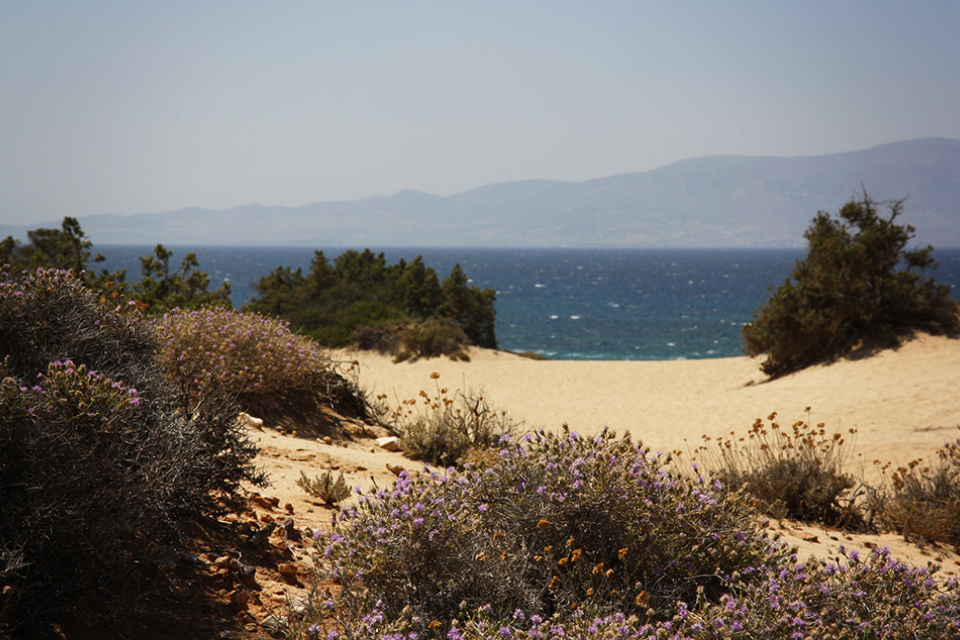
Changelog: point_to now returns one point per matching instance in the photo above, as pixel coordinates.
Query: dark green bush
(857, 287)
(333, 301)
(104, 467)
(158, 290)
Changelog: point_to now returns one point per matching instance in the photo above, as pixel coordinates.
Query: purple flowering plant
(566, 536)
(247, 356)
(102, 469)
(556, 527)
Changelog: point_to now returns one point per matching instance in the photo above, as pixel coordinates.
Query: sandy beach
(904, 403)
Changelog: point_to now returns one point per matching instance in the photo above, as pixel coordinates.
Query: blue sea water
(572, 304)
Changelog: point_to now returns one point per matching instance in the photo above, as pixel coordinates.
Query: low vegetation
(443, 427)
(858, 287)
(564, 536)
(921, 500)
(104, 464)
(271, 372)
(335, 300)
(799, 472)
(325, 487)
(556, 527)
(412, 340)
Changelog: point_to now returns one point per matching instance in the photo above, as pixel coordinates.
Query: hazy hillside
(721, 201)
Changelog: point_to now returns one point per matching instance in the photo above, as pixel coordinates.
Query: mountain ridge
(709, 201)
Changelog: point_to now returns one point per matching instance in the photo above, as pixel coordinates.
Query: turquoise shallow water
(574, 304)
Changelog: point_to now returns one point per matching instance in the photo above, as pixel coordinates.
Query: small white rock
(249, 421)
(391, 443)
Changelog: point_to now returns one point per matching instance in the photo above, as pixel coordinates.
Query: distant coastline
(570, 304)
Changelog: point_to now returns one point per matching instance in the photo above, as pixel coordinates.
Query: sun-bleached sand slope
(905, 403)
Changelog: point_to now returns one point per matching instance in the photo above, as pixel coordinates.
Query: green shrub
(103, 467)
(379, 338)
(433, 338)
(559, 527)
(797, 473)
(857, 287)
(441, 429)
(920, 501)
(271, 372)
(405, 340)
(359, 289)
(160, 289)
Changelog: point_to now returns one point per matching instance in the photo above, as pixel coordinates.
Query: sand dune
(905, 403)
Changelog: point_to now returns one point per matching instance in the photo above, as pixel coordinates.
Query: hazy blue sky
(128, 107)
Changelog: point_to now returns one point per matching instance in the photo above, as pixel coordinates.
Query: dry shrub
(798, 472)
(921, 501)
(441, 428)
(325, 487)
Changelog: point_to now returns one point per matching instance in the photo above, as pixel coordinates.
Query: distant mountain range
(717, 201)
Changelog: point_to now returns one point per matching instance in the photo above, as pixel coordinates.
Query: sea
(569, 304)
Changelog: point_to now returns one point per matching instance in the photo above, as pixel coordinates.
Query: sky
(138, 106)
